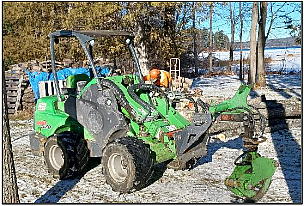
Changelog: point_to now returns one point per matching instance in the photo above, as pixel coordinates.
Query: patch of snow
(278, 86)
(284, 60)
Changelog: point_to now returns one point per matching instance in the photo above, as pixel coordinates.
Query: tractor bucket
(185, 139)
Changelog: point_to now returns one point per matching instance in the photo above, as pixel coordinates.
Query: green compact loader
(133, 126)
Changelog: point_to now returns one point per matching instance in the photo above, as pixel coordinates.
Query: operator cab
(98, 67)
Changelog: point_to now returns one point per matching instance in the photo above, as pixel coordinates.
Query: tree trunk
(142, 49)
(260, 78)
(253, 57)
(241, 75)
(10, 189)
(170, 21)
(232, 20)
(210, 38)
(194, 39)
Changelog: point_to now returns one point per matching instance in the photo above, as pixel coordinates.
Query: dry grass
(245, 61)
(218, 73)
(268, 60)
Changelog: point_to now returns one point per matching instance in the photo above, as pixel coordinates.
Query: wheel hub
(118, 167)
(56, 157)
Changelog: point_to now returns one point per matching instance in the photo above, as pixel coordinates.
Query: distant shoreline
(269, 48)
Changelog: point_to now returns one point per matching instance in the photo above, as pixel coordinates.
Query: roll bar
(87, 38)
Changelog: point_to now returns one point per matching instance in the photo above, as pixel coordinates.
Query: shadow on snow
(287, 149)
(54, 194)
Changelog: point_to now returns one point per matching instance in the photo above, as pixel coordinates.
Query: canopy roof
(91, 33)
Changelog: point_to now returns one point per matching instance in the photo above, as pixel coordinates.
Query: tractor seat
(71, 81)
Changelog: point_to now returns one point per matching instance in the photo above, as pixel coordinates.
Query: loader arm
(238, 101)
(252, 175)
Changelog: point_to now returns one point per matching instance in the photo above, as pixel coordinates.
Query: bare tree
(260, 77)
(273, 16)
(232, 21)
(142, 51)
(194, 38)
(253, 59)
(210, 37)
(10, 189)
(241, 76)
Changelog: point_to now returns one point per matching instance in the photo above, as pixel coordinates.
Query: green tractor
(133, 126)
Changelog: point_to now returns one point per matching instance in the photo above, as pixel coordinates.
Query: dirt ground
(203, 184)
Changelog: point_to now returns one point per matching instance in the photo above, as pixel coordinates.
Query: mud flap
(37, 143)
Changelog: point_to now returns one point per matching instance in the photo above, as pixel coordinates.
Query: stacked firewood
(16, 83)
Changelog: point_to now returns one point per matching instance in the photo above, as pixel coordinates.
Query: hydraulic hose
(145, 87)
(204, 105)
(121, 99)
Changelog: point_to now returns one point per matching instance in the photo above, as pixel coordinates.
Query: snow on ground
(278, 86)
(284, 60)
(204, 183)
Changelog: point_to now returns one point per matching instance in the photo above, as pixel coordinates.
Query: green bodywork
(51, 119)
(50, 111)
(233, 105)
(252, 177)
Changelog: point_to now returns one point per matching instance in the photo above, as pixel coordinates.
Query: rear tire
(127, 164)
(66, 155)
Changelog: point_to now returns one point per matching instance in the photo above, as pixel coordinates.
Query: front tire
(127, 164)
(66, 155)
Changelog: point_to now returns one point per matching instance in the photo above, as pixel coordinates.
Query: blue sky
(221, 19)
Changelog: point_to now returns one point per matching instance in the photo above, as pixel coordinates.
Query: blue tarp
(36, 77)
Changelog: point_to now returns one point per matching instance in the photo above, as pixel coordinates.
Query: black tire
(180, 165)
(127, 164)
(66, 155)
